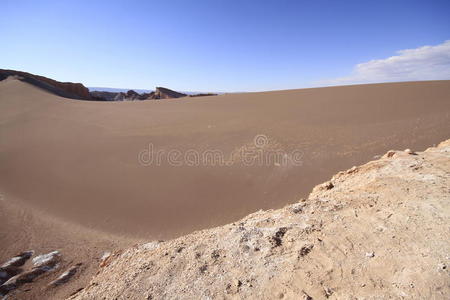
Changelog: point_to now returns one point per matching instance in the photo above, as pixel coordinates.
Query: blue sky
(225, 45)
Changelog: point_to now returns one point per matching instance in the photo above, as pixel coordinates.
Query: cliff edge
(375, 231)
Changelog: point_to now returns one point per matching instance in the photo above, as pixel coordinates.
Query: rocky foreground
(377, 231)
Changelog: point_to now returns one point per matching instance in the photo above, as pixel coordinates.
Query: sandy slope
(70, 178)
(78, 159)
(378, 231)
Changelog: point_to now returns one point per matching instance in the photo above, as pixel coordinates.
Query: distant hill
(63, 89)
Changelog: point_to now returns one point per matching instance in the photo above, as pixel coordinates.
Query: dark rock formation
(159, 93)
(41, 264)
(163, 93)
(12, 266)
(103, 96)
(203, 95)
(66, 276)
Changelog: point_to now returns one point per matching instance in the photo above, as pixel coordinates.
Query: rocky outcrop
(63, 89)
(103, 96)
(15, 273)
(159, 93)
(41, 265)
(65, 276)
(377, 231)
(12, 266)
(164, 93)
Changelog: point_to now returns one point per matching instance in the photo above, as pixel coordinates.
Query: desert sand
(70, 178)
(377, 231)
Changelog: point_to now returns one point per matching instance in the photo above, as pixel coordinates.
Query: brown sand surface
(376, 231)
(77, 161)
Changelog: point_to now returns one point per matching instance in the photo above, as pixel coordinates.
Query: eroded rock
(42, 264)
(48, 260)
(12, 266)
(18, 260)
(66, 276)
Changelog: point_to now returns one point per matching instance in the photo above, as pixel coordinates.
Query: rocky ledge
(377, 231)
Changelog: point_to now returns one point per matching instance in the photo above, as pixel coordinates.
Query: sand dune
(376, 231)
(70, 177)
(79, 160)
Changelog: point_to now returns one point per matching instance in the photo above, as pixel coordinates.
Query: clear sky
(229, 45)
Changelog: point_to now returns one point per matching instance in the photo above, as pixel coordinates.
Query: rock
(103, 95)
(323, 187)
(277, 239)
(105, 259)
(370, 254)
(306, 296)
(329, 185)
(151, 246)
(305, 250)
(203, 95)
(409, 151)
(352, 170)
(233, 287)
(18, 260)
(64, 277)
(20, 279)
(159, 93)
(132, 94)
(11, 267)
(442, 266)
(164, 93)
(327, 291)
(389, 154)
(42, 264)
(297, 208)
(8, 272)
(46, 260)
(203, 268)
